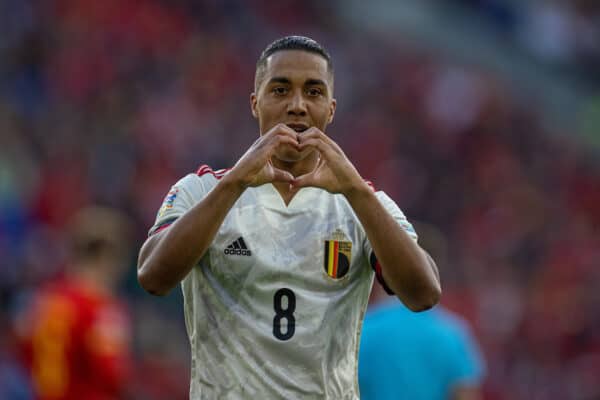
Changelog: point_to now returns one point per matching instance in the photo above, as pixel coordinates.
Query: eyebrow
(279, 79)
(315, 82)
(309, 82)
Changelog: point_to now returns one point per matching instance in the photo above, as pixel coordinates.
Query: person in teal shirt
(430, 355)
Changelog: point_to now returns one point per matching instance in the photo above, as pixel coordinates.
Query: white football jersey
(274, 309)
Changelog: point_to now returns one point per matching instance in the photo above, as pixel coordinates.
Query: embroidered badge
(338, 254)
(168, 201)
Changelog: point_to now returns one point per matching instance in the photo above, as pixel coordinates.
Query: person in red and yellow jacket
(76, 333)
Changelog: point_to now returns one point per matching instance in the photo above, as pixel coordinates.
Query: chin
(289, 154)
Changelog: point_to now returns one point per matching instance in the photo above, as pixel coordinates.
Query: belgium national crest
(338, 254)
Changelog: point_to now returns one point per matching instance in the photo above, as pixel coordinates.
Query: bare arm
(168, 256)
(466, 393)
(407, 269)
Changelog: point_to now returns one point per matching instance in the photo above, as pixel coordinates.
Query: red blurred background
(484, 128)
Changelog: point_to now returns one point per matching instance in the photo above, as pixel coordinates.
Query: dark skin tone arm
(466, 393)
(407, 269)
(168, 256)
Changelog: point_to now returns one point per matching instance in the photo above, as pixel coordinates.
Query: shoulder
(208, 176)
(204, 178)
(206, 171)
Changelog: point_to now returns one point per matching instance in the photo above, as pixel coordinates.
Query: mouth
(298, 127)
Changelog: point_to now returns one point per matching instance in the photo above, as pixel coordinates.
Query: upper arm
(392, 208)
(181, 197)
(464, 392)
(468, 364)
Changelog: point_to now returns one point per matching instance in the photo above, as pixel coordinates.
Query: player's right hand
(254, 168)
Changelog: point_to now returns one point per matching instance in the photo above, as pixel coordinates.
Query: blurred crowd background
(110, 102)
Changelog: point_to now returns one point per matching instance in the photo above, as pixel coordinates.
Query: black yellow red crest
(337, 255)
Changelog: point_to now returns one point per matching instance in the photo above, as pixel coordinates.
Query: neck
(298, 168)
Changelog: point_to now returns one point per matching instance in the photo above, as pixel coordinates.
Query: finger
(320, 163)
(311, 133)
(271, 140)
(317, 143)
(260, 153)
(286, 140)
(282, 130)
(283, 140)
(315, 133)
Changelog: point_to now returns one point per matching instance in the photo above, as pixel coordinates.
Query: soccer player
(76, 333)
(427, 356)
(276, 256)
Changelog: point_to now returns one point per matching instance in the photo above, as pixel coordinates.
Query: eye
(314, 92)
(279, 90)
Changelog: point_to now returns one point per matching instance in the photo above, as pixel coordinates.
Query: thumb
(304, 180)
(280, 175)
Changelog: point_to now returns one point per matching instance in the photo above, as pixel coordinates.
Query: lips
(298, 127)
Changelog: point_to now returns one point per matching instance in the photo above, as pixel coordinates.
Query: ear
(332, 106)
(253, 102)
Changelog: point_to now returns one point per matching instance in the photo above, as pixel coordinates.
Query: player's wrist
(357, 192)
(232, 183)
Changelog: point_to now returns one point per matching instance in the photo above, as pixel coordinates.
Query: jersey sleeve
(400, 218)
(188, 191)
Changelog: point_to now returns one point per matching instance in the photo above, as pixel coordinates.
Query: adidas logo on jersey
(238, 248)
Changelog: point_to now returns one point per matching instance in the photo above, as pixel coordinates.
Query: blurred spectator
(75, 332)
(14, 381)
(426, 356)
(431, 355)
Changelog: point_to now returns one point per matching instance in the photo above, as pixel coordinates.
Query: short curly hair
(293, 42)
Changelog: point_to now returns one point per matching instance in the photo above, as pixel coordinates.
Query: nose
(297, 104)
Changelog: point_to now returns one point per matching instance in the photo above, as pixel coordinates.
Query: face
(296, 90)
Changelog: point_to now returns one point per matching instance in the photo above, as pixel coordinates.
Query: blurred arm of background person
(467, 392)
(430, 356)
(469, 371)
(75, 332)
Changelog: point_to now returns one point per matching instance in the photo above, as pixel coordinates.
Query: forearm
(407, 269)
(167, 257)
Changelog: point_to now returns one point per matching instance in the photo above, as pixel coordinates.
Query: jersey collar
(269, 196)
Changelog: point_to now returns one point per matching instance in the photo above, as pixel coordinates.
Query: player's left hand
(334, 172)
